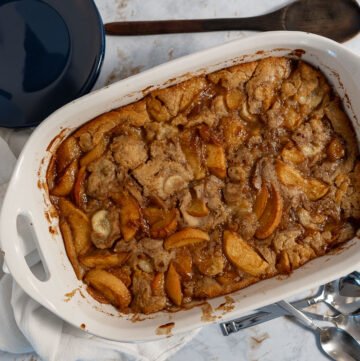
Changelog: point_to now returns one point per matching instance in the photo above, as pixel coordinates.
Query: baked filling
(208, 186)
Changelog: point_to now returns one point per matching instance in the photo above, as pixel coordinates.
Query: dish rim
(34, 289)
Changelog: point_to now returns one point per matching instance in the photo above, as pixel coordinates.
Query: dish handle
(21, 248)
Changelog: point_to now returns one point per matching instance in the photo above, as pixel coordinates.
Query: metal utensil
(336, 19)
(335, 342)
(327, 294)
(349, 323)
(350, 285)
(330, 295)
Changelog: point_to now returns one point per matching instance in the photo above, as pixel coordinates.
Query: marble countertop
(280, 339)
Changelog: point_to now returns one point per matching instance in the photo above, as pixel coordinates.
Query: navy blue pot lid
(51, 52)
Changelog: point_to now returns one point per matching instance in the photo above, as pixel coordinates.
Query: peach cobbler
(203, 188)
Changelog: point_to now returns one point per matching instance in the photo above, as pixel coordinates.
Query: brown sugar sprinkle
(208, 186)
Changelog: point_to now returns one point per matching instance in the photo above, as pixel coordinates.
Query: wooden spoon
(336, 19)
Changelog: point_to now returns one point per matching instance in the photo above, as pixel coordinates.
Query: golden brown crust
(208, 186)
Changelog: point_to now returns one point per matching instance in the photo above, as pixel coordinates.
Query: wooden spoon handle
(262, 23)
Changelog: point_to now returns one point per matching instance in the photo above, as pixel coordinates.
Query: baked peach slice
(68, 150)
(193, 158)
(289, 176)
(79, 194)
(234, 132)
(315, 189)
(99, 126)
(215, 160)
(283, 265)
(242, 255)
(110, 286)
(209, 263)
(228, 277)
(162, 222)
(173, 285)
(185, 237)
(79, 224)
(291, 154)
(198, 208)
(134, 114)
(152, 214)
(66, 183)
(98, 296)
(183, 262)
(104, 259)
(158, 284)
(130, 216)
(95, 153)
(271, 215)
(192, 149)
(208, 135)
(157, 110)
(122, 273)
(51, 173)
(261, 200)
(343, 182)
(70, 248)
(234, 98)
(166, 225)
(335, 150)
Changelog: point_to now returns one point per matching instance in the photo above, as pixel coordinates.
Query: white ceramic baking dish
(27, 196)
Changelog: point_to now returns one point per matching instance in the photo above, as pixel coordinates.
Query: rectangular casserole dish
(27, 196)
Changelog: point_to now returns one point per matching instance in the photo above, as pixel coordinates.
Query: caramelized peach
(165, 226)
(79, 224)
(315, 189)
(130, 216)
(234, 99)
(261, 200)
(68, 151)
(289, 176)
(158, 111)
(291, 154)
(271, 216)
(335, 150)
(215, 160)
(110, 286)
(70, 249)
(183, 262)
(157, 284)
(242, 255)
(192, 148)
(173, 286)
(186, 236)
(79, 194)
(66, 183)
(152, 214)
(283, 264)
(101, 259)
(234, 132)
(95, 153)
(198, 208)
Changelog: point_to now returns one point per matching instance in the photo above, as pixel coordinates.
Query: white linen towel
(26, 326)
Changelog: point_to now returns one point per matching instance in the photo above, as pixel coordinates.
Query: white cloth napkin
(26, 326)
